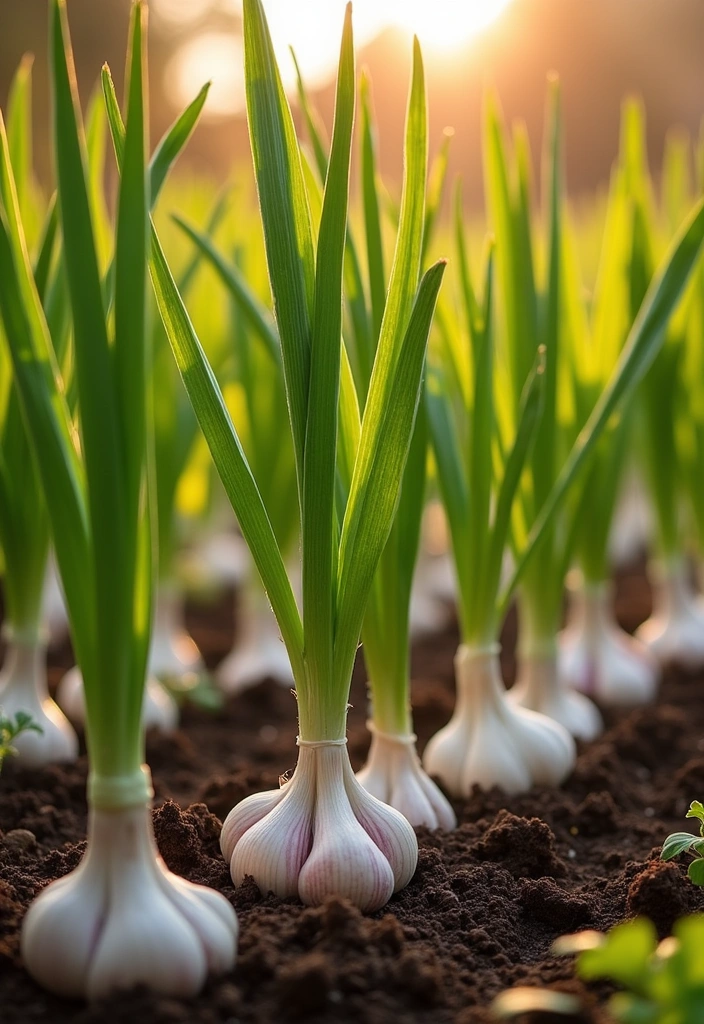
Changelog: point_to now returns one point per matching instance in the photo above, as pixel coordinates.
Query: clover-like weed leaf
(677, 843)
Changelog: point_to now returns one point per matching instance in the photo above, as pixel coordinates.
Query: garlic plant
(121, 918)
(669, 436)
(532, 319)
(393, 772)
(24, 524)
(321, 833)
(597, 657)
(489, 740)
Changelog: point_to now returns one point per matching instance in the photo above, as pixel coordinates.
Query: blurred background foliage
(602, 51)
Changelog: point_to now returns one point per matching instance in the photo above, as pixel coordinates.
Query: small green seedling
(663, 982)
(678, 842)
(11, 728)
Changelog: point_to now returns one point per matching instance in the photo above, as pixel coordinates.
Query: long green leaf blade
(319, 526)
(375, 492)
(285, 214)
(130, 360)
(102, 450)
(173, 141)
(228, 456)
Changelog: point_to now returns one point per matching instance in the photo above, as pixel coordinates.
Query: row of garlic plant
(121, 917)
(501, 431)
(351, 434)
(463, 741)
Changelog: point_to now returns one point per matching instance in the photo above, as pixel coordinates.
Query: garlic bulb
(159, 709)
(259, 652)
(23, 687)
(675, 631)
(393, 774)
(173, 655)
(321, 835)
(541, 688)
(599, 658)
(491, 742)
(122, 918)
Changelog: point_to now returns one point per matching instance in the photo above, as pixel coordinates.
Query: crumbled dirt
(481, 912)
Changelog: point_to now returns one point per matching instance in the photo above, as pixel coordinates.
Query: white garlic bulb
(320, 835)
(393, 774)
(491, 742)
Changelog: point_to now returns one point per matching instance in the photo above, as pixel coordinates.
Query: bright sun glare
(312, 28)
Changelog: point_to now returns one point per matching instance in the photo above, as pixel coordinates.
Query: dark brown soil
(486, 901)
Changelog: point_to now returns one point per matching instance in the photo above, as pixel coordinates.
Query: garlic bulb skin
(23, 687)
(259, 652)
(491, 742)
(675, 631)
(393, 774)
(321, 835)
(173, 654)
(599, 658)
(121, 918)
(540, 688)
(159, 709)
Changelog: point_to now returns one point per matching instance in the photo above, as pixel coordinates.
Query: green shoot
(11, 728)
(681, 842)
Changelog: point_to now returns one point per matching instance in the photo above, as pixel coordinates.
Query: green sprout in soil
(679, 842)
(11, 728)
